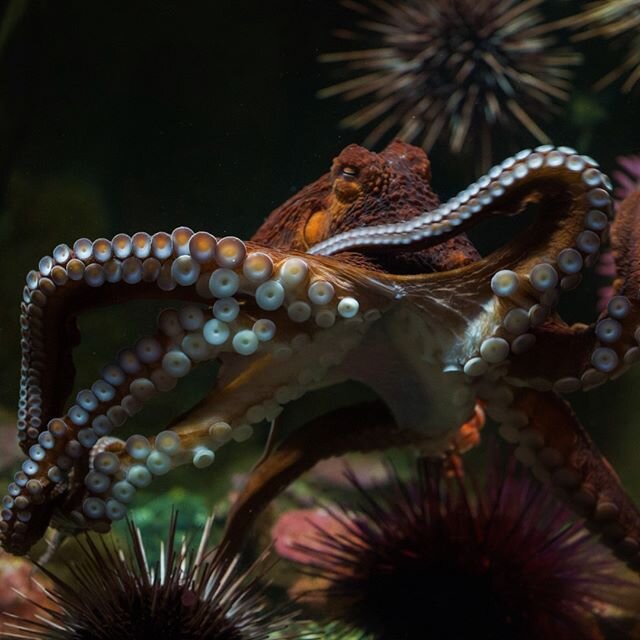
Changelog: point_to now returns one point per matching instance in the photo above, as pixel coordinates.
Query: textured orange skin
(362, 189)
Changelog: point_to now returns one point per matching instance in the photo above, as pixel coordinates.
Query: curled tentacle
(71, 280)
(607, 348)
(279, 322)
(566, 184)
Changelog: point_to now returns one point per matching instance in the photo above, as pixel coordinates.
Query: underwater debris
(433, 558)
(469, 70)
(187, 594)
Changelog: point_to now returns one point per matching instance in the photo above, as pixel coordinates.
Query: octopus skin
(362, 276)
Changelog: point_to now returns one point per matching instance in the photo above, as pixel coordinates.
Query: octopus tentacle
(545, 175)
(608, 347)
(625, 235)
(364, 427)
(509, 298)
(559, 450)
(269, 311)
(73, 279)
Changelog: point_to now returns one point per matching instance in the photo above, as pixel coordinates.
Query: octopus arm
(565, 456)
(625, 241)
(564, 184)
(607, 347)
(364, 427)
(278, 322)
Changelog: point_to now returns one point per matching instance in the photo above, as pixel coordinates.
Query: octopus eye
(349, 172)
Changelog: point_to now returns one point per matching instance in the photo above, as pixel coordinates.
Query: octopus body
(362, 276)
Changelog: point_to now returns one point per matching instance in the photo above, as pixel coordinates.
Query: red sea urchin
(431, 559)
(466, 69)
(184, 596)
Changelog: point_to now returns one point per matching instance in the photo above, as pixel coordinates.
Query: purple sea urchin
(432, 559)
(466, 69)
(185, 595)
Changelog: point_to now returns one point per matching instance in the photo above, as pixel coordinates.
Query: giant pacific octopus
(362, 276)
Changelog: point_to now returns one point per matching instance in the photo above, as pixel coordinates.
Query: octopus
(364, 276)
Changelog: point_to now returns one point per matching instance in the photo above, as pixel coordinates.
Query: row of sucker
(219, 270)
(126, 259)
(477, 198)
(182, 258)
(112, 483)
(528, 300)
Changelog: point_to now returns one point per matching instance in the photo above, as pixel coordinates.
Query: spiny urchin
(187, 594)
(432, 559)
(471, 70)
(613, 19)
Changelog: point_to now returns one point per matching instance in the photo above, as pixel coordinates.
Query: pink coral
(304, 525)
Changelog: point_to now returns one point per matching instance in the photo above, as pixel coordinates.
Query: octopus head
(362, 188)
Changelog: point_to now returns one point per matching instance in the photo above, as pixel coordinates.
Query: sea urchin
(185, 595)
(432, 559)
(470, 69)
